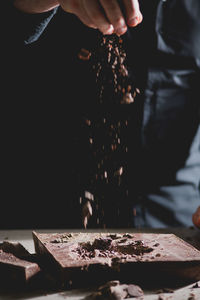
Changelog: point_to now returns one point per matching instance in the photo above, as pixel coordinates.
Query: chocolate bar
(87, 258)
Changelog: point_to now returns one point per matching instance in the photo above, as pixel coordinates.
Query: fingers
(97, 16)
(86, 19)
(196, 218)
(106, 15)
(114, 15)
(133, 13)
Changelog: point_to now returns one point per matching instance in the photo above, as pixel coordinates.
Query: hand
(35, 6)
(105, 15)
(196, 217)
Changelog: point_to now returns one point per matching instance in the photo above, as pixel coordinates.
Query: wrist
(35, 6)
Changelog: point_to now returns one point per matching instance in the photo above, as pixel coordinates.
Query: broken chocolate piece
(16, 271)
(115, 236)
(118, 292)
(113, 290)
(92, 257)
(127, 235)
(64, 238)
(134, 290)
(196, 286)
(14, 248)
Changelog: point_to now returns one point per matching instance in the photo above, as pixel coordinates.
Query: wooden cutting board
(92, 257)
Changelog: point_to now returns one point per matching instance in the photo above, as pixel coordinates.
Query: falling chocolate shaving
(107, 131)
(84, 54)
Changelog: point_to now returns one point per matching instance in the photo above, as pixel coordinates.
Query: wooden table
(191, 235)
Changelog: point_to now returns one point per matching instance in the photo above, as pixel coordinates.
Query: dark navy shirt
(46, 89)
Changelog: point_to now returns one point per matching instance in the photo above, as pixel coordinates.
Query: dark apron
(178, 27)
(167, 170)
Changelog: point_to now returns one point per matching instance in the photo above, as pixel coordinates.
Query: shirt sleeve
(22, 28)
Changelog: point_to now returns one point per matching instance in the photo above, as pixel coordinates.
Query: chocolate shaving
(62, 239)
(84, 54)
(106, 128)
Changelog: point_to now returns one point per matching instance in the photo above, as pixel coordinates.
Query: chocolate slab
(90, 257)
(15, 248)
(16, 271)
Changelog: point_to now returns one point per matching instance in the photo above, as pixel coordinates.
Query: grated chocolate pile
(109, 247)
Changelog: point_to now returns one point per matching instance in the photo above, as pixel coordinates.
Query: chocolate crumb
(62, 239)
(195, 286)
(84, 54)
(115, 236)
(160, 297)
(191, 297)
(108, 129)
(164, 290)
(167, 290)
(135, 290)
(127, 235)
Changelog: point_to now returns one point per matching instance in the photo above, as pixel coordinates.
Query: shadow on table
(43, 287)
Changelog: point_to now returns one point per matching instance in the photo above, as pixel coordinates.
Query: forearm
(35, 6)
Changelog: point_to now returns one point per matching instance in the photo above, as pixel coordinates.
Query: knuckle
(118, 22)
(74, 5)
(96, 17)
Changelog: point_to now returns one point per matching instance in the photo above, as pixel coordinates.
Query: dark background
(42, 94)
(45, 89)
